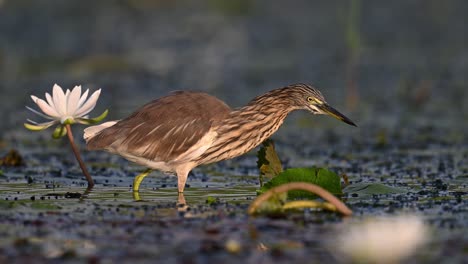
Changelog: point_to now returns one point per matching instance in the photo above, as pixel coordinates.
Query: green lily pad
(324, 178)
(366, 189)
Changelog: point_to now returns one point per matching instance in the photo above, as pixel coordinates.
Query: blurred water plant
(12, 158)
(353, 42)
(65, 109)
(233, 8)
(382, 240)
(273, 200)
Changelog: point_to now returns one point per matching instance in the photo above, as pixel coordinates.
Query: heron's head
(309, 98)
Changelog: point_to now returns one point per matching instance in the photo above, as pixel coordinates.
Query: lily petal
(59, 100)
(89, 105)
(73, 99)
(83, 98)
(38, 113)
(34, 98)
(45, 107)
(49, 100)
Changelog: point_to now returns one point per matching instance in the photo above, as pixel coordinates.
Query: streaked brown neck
(248, 126)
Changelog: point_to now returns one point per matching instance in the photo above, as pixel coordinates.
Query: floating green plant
(324, 178)
(294, 183)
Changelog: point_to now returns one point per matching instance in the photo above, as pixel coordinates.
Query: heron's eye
(310, 99)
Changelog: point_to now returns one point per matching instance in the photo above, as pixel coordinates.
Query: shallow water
(53, 217)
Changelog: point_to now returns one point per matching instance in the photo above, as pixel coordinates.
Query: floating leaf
(366, 189)
(268, 161)
(324, 178)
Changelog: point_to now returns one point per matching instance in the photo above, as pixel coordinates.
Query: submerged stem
(78, 157)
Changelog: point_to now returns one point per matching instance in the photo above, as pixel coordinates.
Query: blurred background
(394, 67)
(398, 69)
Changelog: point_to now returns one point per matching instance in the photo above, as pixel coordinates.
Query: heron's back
(163, 129)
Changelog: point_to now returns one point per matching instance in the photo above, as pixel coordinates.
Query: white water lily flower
(65, 108)
(383, 240)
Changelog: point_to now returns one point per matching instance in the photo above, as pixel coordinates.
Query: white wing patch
(92, 131)
(198, 149)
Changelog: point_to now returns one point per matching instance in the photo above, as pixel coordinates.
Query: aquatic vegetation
(322, 177)
(276, 199)
(294, 183)
(65, 109)
(12, 158)
(268, 161)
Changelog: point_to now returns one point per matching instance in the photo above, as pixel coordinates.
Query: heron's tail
(92, 131)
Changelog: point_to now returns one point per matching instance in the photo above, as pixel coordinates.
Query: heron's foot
(139, 178)
(182, 206)
(181, 199)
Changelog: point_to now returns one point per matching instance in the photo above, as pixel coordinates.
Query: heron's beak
(333, 112)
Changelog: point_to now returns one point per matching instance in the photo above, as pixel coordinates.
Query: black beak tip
(349, 122)
(333, 112)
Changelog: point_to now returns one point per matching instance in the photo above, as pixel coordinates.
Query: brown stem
(78, 157)
(340, 206)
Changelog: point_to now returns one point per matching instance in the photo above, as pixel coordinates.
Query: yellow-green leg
(139, 178)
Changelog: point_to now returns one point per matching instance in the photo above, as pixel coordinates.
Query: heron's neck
(245, 128)
(256, 121)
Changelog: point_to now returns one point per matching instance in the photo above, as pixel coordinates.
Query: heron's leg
(181, 199)
(182, 179)
(139, 178)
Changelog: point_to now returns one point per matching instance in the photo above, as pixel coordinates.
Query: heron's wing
(164, 128)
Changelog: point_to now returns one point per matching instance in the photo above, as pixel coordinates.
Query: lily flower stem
(78, 157)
